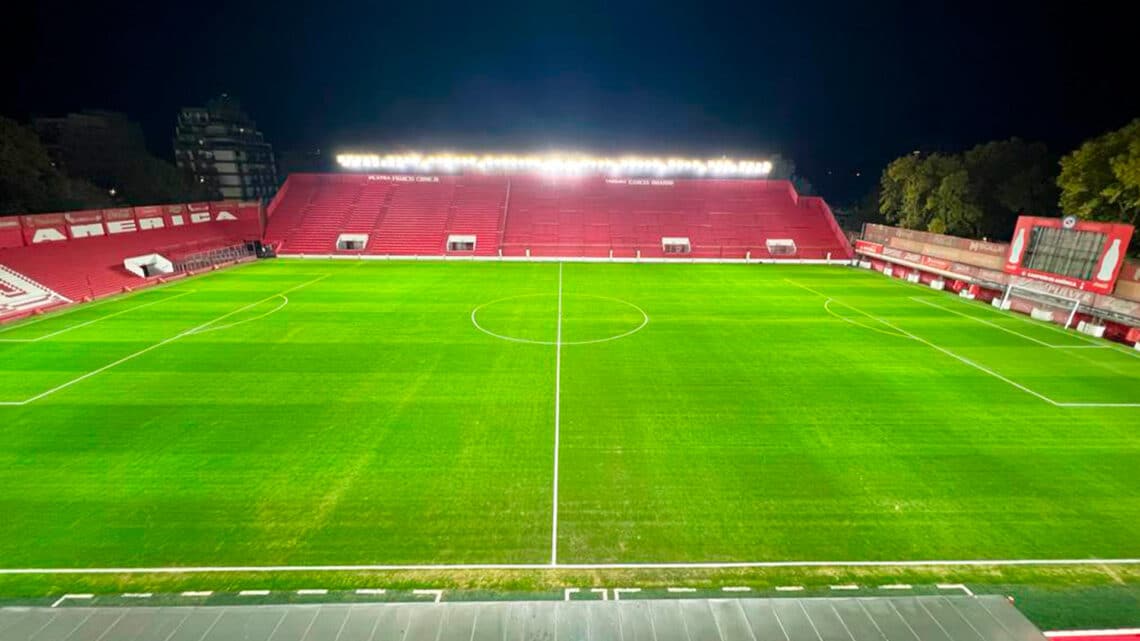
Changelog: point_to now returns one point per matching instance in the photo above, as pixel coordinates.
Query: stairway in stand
(413, 223)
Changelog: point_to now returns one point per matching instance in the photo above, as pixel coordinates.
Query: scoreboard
(1081, 254)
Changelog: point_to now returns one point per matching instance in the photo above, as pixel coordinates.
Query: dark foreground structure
(924, 618)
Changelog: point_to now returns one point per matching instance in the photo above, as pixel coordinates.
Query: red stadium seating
(413, 221)
(477, 209)
(93, 267)
(80, 255)
(555, 217)
(400, 217)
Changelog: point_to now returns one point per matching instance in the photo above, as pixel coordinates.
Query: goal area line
(572, 566)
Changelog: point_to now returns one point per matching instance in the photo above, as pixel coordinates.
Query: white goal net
(1041, 305)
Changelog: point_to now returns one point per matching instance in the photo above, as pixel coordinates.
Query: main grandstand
(570, 214)
(553, 374)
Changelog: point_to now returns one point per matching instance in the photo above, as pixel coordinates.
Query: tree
(109, 150)
(26, 172)
(143, 179)
(976, 193)
(1009, 178)
(954, 203)
(917, 192)
(1100, 180)
(30, 182)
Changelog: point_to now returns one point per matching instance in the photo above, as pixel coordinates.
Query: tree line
(980, 192)
(33, 181)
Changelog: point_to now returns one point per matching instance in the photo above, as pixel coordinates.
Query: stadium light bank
(556, 164)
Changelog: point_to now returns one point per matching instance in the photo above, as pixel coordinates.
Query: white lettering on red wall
(92, 230)
(404, 179)
(121, 226)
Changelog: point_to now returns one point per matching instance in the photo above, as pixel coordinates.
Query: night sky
(837, 87)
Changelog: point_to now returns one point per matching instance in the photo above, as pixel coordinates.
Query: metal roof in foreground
(922, 618)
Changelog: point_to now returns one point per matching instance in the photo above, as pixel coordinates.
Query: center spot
(533, 318)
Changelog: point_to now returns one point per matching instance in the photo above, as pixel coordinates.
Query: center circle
(534, 319)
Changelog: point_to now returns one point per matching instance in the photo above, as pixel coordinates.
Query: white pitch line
(789, 588)
(849, 586)
(957, 357)
(91, 322)
(71, 596)
(1097, 404)
(311, 592)
(896, 586)
(157, 345)
(284, 302)
(956, 586)
(1107, 346)
(984, 322)
(620, 591)
(827, 308)
(198, 593)
(969, 362)
(736, 588)
(74, 308)
(1123, 349)
(1122, 632)
(138, 595)
(253, 593)
(372, 591)
(527, 341)
(603, 591)
(1093, 343)
(77, 306)
(438, 594)
(573, 566)
(1031, 321)
(557, 422)
(676, 590)
(568, 591)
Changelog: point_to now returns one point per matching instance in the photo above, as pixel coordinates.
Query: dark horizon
(838, 89)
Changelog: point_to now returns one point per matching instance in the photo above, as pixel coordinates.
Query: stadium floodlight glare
(557, 164)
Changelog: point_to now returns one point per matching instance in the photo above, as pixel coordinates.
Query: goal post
(1040, 305)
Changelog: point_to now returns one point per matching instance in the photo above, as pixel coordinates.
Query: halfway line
(557, 420)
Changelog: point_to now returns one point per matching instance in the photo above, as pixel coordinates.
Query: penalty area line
(93, 321)
(574, 566)
(945, 351)
(918, 299)
(167, 341)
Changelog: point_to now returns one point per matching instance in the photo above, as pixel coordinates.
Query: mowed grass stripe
(369, 422)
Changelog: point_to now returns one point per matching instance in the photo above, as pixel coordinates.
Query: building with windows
(220, 146)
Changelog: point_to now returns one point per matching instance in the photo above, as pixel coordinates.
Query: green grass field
(313, 413)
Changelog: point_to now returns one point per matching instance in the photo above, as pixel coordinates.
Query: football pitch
(319, 413)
